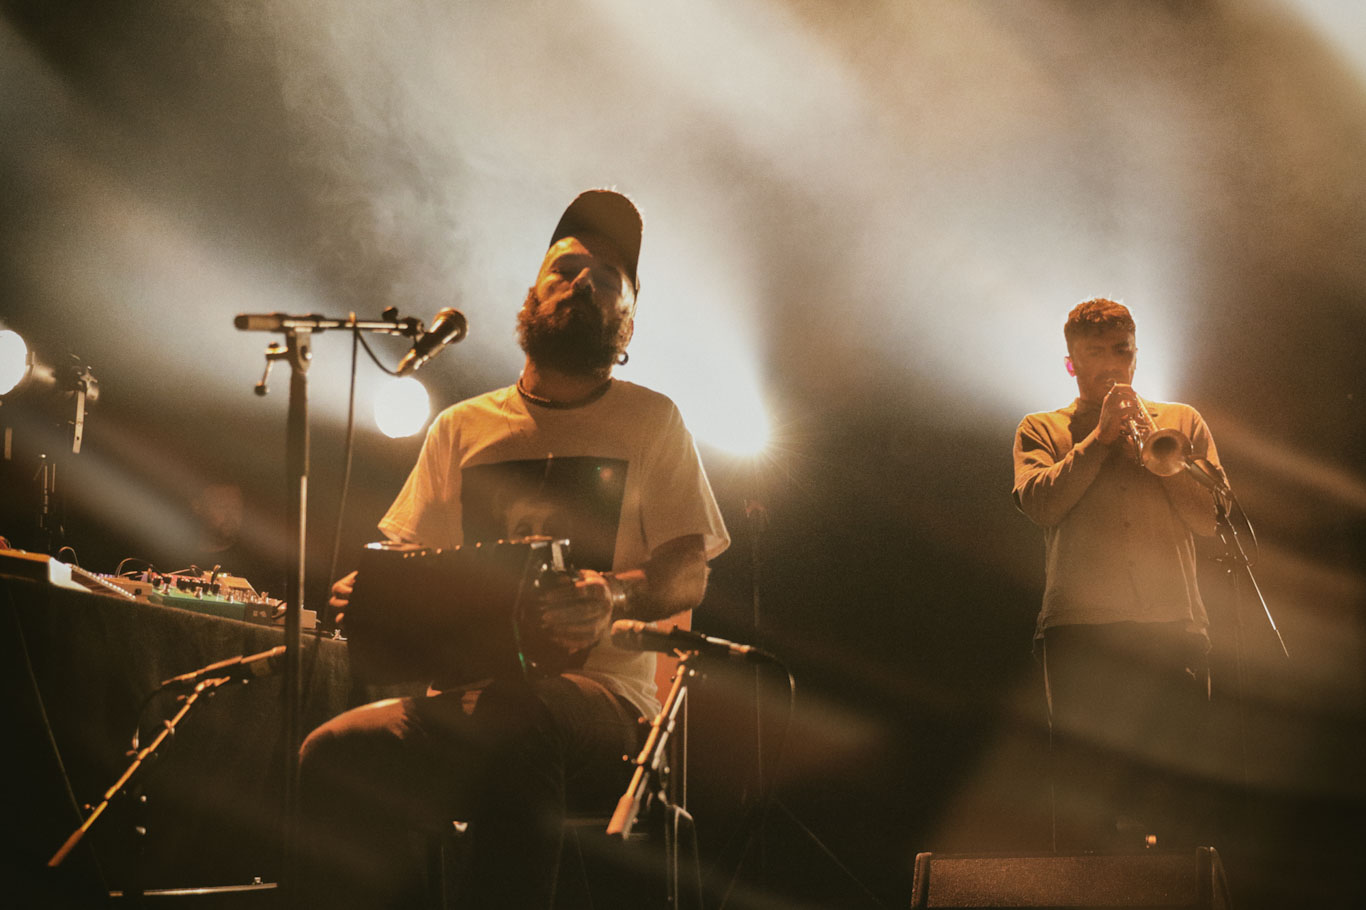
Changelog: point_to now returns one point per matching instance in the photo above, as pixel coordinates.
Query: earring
(622, 358)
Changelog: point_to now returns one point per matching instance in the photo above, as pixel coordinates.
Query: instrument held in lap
(456, 615)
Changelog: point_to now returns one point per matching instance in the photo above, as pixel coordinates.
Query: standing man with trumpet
(1120, 485)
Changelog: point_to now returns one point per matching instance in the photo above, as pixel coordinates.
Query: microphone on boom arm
(634, 635)
(244, 668)
(447, 328)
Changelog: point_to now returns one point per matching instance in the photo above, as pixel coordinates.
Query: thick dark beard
(571, 344)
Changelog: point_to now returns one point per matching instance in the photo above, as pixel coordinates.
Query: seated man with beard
(513, 756)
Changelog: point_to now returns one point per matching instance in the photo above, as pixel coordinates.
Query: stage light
(13, 360)
(719, 397)
(739, 426)
(401, 407)
(64, 392)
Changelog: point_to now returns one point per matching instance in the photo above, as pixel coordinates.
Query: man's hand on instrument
(1115, 411)
(341, 596)
(576, 615)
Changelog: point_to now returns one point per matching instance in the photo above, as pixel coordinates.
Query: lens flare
(401, 407)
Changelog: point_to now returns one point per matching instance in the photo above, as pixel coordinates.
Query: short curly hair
(1091, 317)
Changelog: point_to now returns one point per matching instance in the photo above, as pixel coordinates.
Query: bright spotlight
(722, 406)
(737, 432)
(735, 423)
(13, 360)
(401, 407)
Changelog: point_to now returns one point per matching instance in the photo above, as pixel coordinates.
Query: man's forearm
(1047, 492)
(672, 581)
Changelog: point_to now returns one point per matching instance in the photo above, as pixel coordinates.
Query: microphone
(634, 635)
(259, 322)
(242, 668)
(1204, 471)
(276, 322)
(447, 328)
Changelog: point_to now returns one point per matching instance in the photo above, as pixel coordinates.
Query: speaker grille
(1188, 879)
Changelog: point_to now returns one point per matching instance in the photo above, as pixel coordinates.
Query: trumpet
(1164, 452)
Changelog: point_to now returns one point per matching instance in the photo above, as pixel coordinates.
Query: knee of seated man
(516, 713)
(319, 749)
(352, 736)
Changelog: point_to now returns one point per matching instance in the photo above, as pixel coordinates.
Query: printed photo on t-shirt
(576, 498)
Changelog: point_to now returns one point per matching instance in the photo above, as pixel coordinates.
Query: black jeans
(1128, 706)
(377, 781)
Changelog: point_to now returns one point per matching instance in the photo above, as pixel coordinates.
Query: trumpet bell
(1165, 452)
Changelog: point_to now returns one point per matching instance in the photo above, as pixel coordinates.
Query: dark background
(870, 217)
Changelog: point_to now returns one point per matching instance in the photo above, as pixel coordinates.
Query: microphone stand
(1234, 558)
(756, 515)
(298, 331)
(752, 826)
(139, 762)
(649, 785)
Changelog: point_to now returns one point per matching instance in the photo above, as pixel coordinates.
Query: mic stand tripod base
(651, 764)
(649, 787)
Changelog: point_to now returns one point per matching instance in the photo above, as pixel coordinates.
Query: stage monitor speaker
(1155, 879)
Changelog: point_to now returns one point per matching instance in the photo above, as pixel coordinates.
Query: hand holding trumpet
(1163, 452)
(1120, 412)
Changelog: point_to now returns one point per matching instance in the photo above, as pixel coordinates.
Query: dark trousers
(378, 782)
(1128, 707)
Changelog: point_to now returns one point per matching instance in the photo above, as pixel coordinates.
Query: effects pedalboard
(215, 592)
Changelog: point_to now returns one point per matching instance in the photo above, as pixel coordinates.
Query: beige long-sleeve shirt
(1118, 539)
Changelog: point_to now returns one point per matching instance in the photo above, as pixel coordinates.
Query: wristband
(618, 594)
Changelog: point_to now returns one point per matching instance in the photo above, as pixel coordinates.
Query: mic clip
(410, 326)
(274, 351)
